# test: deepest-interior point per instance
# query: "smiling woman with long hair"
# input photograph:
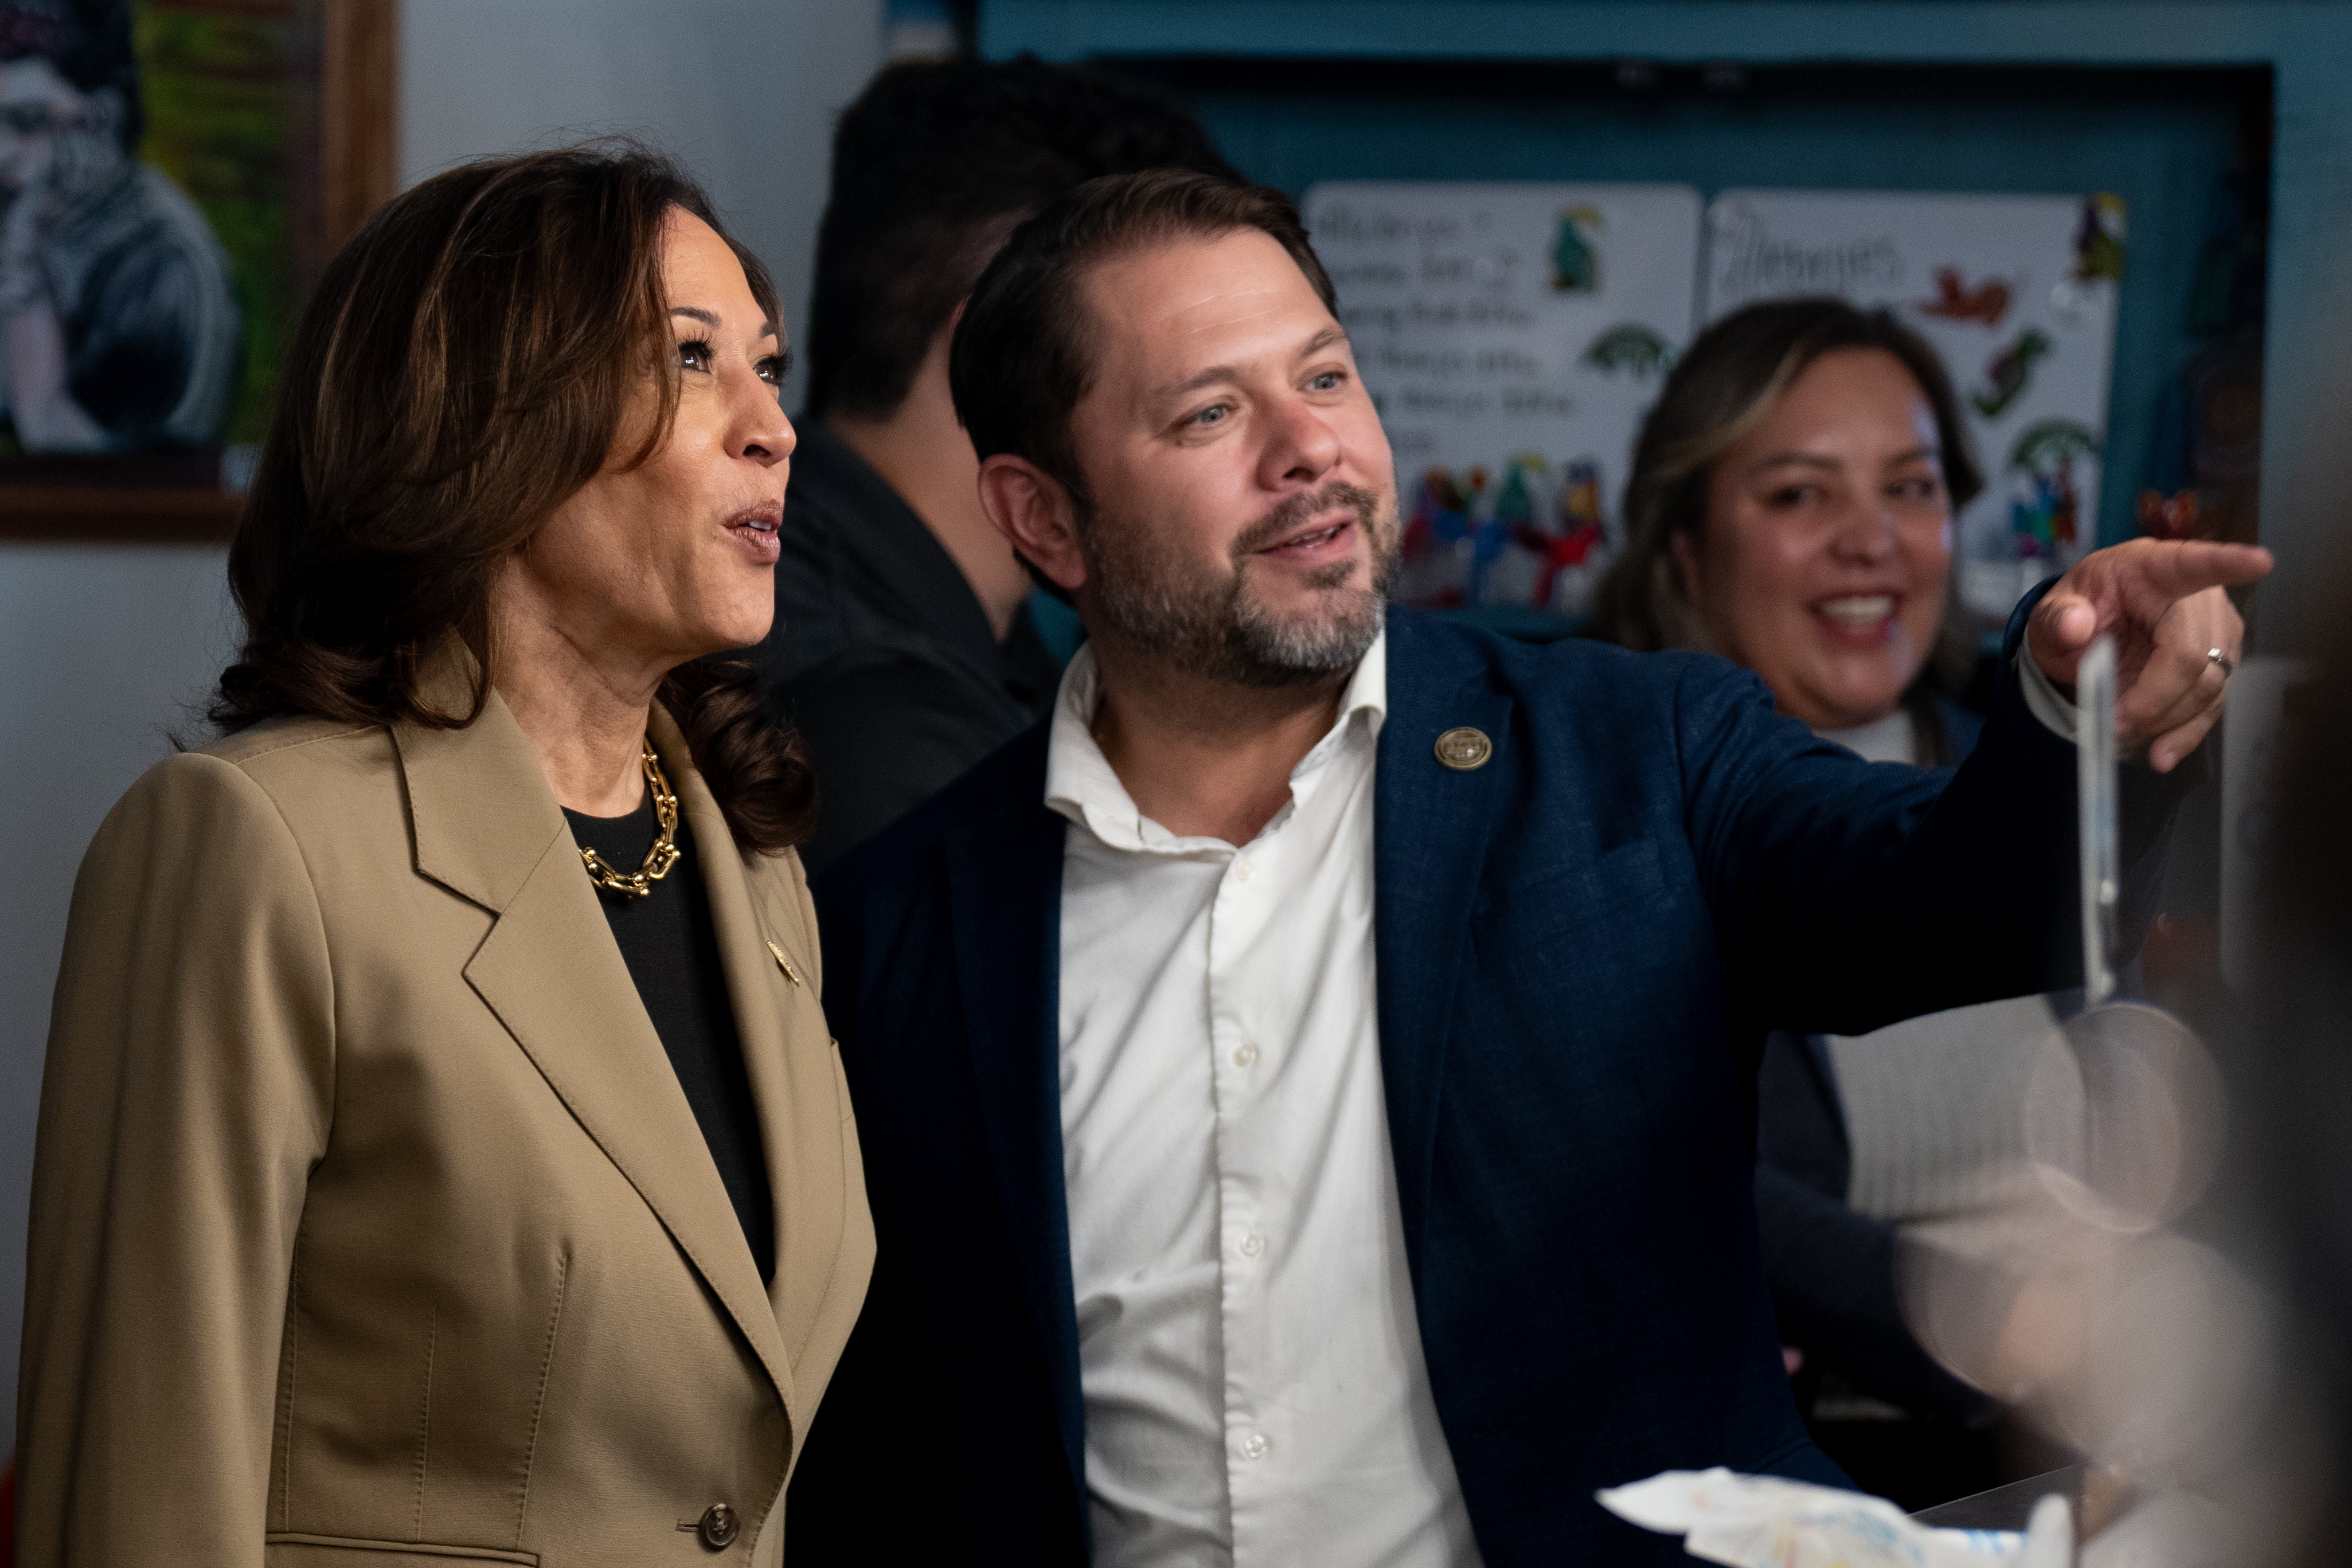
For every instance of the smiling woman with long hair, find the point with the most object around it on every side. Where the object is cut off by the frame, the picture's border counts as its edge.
(441, 1151)
(1790, 507)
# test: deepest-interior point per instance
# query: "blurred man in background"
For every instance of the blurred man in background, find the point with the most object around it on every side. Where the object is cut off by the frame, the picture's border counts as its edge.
(904, 648)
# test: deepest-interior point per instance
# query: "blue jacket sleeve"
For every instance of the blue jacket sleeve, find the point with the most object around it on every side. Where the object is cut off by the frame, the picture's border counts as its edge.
(1847, 895)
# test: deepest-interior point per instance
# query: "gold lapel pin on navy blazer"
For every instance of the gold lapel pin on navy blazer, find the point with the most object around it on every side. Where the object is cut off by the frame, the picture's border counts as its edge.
(372, 1222)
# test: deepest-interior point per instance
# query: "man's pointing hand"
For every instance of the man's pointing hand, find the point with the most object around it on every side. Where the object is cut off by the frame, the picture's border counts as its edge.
(2162, 602)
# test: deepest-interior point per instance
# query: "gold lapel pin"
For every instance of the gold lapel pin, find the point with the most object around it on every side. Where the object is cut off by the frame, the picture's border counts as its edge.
(786, 965)
(1465, 749)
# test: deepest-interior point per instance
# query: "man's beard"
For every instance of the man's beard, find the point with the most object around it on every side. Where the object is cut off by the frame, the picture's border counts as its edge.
(1216, 628)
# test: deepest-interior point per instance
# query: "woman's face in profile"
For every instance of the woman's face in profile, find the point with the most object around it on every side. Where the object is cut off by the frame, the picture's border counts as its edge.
(676, 557)
(1828, 541)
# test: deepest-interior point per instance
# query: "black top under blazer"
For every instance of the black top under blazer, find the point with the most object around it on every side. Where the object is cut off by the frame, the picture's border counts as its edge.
(1581, 946)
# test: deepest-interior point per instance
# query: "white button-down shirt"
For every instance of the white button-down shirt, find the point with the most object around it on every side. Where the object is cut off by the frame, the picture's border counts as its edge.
(1255, 1388)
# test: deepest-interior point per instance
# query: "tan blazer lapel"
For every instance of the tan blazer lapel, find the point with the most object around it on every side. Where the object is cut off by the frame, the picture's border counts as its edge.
(775, 1008)
(487, 828)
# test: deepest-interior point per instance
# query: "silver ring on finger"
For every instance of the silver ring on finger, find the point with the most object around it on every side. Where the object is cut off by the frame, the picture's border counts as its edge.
(2223, 661)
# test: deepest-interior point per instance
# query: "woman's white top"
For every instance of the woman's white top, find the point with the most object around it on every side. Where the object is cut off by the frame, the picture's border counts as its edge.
(1935, 1106)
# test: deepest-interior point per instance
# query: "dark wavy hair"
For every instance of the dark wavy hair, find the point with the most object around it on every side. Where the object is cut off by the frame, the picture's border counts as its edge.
(463, 369)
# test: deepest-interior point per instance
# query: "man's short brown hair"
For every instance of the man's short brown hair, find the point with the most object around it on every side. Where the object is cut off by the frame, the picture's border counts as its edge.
(1026, 352)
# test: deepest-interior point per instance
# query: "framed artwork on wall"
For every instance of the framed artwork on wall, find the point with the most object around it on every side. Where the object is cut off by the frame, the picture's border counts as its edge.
(173, 176)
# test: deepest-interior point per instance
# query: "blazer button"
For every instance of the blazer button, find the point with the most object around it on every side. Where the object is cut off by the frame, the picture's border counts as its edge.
(718, 1527)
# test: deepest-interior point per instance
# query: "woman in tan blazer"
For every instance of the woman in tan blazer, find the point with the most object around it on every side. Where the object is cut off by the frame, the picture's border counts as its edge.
(413, 1184)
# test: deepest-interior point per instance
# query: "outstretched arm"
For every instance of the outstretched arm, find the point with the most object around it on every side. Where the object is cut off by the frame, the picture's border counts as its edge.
(2177, 634)
(1847, 896)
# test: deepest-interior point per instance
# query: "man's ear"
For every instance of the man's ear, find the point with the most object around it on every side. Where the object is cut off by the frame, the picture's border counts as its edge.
(1033, 511)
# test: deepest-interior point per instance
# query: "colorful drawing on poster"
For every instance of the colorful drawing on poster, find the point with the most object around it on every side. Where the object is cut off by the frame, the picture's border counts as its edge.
(1438, 513)
(1520, 540)
(1580, 499)
(2171, 517)
(1575, 263)
(1448, 515)
(2051, 445)
(1987, 303)
(2009, 372)
(1569, 560)
(1632, 348)
(2047, 519)
(1514, 512)
(1514, 504)
(1473, 308)
(2099, 242)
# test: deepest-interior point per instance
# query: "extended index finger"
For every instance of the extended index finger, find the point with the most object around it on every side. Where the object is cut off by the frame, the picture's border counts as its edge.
(2178, 568)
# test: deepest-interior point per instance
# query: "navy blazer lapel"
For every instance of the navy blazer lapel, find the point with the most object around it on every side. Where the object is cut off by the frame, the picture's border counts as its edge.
(1431, 827)
(1004, 891)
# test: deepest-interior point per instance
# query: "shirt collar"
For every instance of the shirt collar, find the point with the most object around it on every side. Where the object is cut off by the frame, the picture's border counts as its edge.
(1081, 785)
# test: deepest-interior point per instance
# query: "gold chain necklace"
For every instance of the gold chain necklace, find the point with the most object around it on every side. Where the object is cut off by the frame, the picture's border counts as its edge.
(658, 859)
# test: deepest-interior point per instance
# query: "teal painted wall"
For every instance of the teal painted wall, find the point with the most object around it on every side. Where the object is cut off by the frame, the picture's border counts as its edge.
(2160, 139)
(2098, 126)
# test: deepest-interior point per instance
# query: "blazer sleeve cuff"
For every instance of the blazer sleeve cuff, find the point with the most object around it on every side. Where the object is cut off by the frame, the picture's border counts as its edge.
(2055, 710)
(2148, 798)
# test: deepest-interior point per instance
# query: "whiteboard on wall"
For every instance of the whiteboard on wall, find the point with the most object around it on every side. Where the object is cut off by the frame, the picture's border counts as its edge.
(2017, 294)
(1513, 336)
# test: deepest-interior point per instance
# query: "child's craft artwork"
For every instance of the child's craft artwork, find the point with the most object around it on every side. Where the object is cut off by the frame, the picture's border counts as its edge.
(1512, 336)
(2017, 294)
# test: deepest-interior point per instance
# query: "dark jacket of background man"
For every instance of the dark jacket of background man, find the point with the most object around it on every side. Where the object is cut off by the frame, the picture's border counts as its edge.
(903, 647)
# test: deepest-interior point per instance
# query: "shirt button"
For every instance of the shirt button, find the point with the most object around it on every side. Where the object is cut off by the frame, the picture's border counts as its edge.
(1254, 1446)
(1241, 868)
(1252, 1245)
(1246, 1055)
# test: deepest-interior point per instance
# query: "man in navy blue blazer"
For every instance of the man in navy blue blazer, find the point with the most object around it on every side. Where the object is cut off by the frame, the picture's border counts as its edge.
(1305, 1083)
